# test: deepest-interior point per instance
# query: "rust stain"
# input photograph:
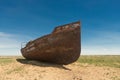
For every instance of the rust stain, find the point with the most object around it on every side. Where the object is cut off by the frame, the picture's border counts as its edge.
(62, 46)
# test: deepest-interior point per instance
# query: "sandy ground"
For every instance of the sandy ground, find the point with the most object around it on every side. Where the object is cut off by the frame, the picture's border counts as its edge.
(21, 69)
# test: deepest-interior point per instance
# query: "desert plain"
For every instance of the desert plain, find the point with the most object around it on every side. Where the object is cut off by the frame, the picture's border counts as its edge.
(85, 68)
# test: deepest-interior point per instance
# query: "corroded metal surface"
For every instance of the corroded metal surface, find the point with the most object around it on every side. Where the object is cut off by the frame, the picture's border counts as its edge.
(62, 46)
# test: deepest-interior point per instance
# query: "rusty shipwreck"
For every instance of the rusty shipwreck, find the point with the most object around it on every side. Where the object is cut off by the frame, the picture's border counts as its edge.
(62, 46)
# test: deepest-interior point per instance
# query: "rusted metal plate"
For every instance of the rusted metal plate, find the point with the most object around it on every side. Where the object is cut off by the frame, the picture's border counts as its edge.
(62, 46)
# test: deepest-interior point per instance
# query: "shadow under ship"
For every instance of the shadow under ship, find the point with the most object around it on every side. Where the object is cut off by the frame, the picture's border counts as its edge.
(62, 46)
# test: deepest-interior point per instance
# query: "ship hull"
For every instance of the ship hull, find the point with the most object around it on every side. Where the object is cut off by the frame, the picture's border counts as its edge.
(62, 47)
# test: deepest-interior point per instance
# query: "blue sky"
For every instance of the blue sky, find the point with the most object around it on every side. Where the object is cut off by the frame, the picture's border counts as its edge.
(24, 20)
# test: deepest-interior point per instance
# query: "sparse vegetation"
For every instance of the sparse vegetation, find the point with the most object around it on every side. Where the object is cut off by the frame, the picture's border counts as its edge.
(111, 61)
(15, 70)
(5, 60)
(18, 68)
